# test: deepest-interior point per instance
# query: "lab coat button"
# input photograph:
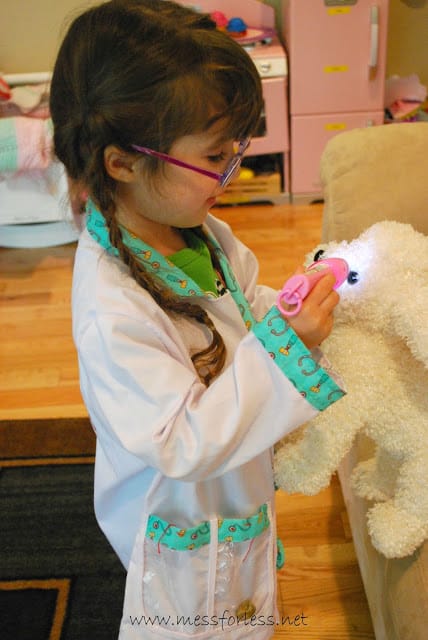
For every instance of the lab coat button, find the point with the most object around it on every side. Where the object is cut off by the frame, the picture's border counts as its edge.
(245, 611)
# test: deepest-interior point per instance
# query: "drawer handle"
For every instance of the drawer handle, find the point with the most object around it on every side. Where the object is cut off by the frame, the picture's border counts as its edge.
(374, 37)
(265, 67)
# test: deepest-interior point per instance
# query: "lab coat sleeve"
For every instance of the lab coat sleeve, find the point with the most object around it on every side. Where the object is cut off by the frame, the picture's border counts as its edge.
(145, 399)
(309, 371)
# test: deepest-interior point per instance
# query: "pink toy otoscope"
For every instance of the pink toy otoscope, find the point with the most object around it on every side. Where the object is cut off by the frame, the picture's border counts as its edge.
(297, 287)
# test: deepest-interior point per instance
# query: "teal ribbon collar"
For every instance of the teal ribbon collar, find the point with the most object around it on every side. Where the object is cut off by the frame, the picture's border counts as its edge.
(163, 268)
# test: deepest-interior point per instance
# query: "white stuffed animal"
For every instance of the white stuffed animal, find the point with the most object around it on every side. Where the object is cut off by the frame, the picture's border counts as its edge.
(379, 345)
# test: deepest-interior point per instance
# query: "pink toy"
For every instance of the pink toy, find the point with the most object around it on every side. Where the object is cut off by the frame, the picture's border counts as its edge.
(5, 92)
(220, 20)
(297, 287)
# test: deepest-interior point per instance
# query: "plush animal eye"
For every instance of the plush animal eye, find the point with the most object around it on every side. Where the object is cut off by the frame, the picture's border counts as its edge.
(353, 277)
(318, 255)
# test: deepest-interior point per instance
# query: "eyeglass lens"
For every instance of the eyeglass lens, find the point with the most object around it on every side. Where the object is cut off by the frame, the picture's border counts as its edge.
(235, 163)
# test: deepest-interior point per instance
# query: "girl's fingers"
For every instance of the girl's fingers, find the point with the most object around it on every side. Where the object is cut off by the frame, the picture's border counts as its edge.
(330, 302)
(323, 295)
(323, 287)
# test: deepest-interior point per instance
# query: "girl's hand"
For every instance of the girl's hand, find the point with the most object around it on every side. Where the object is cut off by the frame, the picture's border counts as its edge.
(314, 321)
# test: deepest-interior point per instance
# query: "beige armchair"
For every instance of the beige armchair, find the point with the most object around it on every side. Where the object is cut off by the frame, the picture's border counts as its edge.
(370, 175)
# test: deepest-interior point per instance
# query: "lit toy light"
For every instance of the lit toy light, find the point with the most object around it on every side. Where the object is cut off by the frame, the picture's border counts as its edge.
(352, 276)
(361, 256)
(295, 290)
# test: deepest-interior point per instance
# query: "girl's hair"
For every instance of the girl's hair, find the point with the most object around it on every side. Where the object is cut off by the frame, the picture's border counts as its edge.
(147, 72)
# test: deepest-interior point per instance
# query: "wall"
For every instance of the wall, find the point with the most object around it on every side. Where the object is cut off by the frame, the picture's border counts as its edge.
(30, 33)
(408, 39)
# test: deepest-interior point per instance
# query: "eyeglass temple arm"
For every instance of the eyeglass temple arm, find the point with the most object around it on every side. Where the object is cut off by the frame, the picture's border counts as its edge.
(178, 163)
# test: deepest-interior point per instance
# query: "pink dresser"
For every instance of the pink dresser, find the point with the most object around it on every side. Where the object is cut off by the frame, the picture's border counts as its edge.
(336, 54)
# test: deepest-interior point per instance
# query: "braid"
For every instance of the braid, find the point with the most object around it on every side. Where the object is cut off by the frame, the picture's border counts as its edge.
(208, 362)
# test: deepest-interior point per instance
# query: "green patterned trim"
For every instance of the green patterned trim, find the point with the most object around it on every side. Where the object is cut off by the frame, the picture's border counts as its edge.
(280, 554)
(296, 361)
(152, 260)
(229, 530)
(233, 286)
(159, 265)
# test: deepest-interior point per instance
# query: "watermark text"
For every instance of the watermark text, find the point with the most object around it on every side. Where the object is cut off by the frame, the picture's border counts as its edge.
(225, 621)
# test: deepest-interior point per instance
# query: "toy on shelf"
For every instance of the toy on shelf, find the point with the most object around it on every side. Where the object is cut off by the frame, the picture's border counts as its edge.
(237, 28)
(405, 99)
(5, 90)
(220, 20)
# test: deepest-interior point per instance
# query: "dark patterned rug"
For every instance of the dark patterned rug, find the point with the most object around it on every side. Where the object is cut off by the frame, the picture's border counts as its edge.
(59, 577)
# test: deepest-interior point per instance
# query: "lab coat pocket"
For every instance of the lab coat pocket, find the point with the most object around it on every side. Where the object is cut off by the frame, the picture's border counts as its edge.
(175, 586)
(245, 576)
(168, 590)
(200, 581)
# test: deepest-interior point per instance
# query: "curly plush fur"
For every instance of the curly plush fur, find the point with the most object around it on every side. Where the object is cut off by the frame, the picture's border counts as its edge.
(380, 346)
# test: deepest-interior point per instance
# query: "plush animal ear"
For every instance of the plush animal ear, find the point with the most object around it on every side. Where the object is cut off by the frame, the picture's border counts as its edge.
(316, 254)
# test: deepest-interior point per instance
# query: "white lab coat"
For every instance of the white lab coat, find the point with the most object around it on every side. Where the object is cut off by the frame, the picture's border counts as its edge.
(169, 446)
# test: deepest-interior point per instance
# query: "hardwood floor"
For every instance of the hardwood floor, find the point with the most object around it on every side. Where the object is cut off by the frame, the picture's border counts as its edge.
(321, 596)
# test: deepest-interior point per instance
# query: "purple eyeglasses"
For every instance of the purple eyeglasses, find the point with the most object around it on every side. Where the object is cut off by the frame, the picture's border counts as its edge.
(223, 178)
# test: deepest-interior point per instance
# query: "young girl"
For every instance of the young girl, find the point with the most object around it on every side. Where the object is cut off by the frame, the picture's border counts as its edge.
(188, 371)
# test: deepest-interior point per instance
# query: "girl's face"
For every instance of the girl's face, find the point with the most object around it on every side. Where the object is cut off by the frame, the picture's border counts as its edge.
(178, 197)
